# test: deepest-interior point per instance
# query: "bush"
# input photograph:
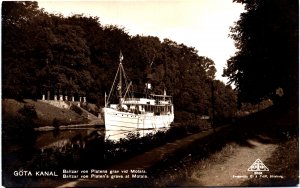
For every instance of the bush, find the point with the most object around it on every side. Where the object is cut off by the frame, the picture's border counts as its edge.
(28, 111)
(56, 123)
(76, 109)
(93, 109)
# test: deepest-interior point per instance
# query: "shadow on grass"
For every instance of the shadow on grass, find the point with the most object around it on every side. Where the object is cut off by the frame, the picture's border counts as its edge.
(283, 163)
(270, 126)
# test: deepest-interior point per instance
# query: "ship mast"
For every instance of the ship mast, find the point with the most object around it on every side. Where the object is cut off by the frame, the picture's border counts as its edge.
(120, 82)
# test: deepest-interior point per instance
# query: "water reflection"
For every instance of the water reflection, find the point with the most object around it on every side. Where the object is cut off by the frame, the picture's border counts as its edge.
(73, 136)
(79, 137)
(117, 135)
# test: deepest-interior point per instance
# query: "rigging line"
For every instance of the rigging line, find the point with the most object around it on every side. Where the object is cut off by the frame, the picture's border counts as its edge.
(127, 90)
(125, 78)
(113, 85)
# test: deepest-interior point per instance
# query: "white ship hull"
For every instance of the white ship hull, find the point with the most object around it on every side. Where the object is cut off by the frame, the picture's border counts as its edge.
(132, 113)
(117, 120)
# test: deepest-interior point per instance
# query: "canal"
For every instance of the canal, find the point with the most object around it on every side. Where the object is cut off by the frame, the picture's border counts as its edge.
(80, 136)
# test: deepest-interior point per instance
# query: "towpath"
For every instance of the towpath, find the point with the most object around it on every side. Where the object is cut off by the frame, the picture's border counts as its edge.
(150, 159)
(231, 170)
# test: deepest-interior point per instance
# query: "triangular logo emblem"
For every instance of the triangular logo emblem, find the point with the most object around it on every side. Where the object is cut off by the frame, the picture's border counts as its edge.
(258, 166)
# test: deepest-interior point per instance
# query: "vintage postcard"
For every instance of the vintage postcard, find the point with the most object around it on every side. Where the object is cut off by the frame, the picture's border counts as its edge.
(152, 93)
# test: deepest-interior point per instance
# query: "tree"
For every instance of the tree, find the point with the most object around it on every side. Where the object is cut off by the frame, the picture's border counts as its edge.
(266, 37)
(225, 102)
(77, 56)
(19, 81)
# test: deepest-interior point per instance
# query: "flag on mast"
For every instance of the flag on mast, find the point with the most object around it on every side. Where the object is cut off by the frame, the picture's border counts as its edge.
(121, 56)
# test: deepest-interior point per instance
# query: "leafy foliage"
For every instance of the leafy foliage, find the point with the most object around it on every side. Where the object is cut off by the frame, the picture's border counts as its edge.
(267, 39)
(76, 109)
(28, 111)
(77, 56)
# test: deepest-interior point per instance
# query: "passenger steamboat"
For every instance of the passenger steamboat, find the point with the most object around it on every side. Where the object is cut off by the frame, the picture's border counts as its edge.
(131, 113)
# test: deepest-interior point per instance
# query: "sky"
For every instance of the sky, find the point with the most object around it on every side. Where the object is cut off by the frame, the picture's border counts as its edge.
(202, 24)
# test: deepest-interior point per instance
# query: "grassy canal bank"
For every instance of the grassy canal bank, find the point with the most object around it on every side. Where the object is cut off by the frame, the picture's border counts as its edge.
(217, 159)
(271, 135)
(43, 114)
(199, 161)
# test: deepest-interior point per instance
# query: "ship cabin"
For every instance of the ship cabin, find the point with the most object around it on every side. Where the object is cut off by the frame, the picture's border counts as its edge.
(154, 104)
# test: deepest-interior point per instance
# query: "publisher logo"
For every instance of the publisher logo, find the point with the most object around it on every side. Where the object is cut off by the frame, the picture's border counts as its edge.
(257, 167)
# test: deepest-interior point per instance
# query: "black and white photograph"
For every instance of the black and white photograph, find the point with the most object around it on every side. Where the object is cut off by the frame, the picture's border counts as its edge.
(150, 93)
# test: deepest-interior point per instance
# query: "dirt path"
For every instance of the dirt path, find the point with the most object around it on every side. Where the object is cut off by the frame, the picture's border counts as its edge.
(226, 172)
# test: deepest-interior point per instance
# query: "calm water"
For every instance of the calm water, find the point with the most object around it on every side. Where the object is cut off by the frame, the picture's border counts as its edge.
(79, 136)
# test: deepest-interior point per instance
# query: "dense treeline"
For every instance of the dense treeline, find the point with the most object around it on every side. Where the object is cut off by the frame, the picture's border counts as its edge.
(266, 65)
(77, 56)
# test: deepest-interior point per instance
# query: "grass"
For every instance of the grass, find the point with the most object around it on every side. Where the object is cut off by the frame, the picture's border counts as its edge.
(281, 126)
(271, 122)
(287, 156)
(189, 169)
(46, 113)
